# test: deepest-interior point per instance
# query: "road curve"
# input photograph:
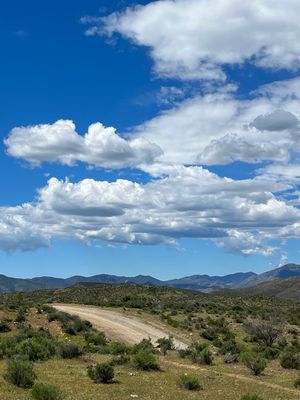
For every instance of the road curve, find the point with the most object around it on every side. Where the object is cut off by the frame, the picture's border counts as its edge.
(117, 326)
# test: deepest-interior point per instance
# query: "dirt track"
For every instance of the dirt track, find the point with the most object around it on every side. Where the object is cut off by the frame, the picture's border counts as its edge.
(118, 326)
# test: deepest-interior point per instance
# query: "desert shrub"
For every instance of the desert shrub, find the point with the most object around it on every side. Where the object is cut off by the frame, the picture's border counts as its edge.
(210, 334)
(206, 356)
(21, 315)
(264, 331)
(166, 343)
(34, 349)
(82, 325)
(101, 373)
(43, 391)
(290, 360)
(145, 344)
(189, 382)
(69, 329)
(32, 344)
(122, 359)
(270, 353)
(95, 338)
(250, 396)
(230, 358)
(69, 350)
(20, 373)
(145, 359)
(254, 362)
(4, 327)
(117, 348)
(230, 346)
(183, 353)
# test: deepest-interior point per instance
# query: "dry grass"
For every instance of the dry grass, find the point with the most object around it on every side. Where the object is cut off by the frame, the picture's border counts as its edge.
(70, 376)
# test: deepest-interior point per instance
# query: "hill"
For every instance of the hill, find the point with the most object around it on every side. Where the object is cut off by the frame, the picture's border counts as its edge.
(280, 288)
(203, 283)
(284, 272)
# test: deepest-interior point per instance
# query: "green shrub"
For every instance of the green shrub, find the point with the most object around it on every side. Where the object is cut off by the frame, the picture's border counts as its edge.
(101, 373)
(145, 359)
(145, 344)
(166, 343)
(206, 357)
(69, 350)
(95, 338)
(117, 348)
(271, 353)
(120, 360)
(210, 334)
(189, 382)
(21, 316)
(34, 349)
(43, 391)
(20, 373)
(290, 360)
(254, 362)
(230, 346)
(183, 353)
(250, 396)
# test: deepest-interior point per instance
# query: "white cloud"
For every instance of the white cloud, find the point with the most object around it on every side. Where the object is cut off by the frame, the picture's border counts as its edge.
(189, 202)
(194, 39)
(59, 142)
(219, 128)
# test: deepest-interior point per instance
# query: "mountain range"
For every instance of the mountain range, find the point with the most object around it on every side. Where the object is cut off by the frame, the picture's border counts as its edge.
(203, 283)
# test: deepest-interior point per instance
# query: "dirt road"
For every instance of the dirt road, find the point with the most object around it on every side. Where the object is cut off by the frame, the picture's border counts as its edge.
(118, 326)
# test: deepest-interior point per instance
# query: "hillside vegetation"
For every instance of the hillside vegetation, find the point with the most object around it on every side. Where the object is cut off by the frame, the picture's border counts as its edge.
(279, 288)
(237, 346)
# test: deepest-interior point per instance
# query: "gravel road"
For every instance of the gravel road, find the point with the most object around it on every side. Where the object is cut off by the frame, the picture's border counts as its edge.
(118, 326)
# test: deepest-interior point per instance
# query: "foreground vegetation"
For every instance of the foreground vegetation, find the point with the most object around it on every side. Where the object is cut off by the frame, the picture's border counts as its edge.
(238, 347)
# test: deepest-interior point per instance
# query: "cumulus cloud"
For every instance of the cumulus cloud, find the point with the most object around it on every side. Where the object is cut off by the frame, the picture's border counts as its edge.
(219, 128)
(188, 202)
(195, 39)
(59, 142)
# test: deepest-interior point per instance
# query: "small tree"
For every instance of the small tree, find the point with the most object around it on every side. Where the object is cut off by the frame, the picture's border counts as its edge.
(264, 331)
(20, 373)
(101, 373)
(254, 362)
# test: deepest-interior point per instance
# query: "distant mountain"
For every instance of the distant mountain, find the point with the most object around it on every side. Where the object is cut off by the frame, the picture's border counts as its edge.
(8, 285)
(204, 283)
(288, 289)
(284, 272)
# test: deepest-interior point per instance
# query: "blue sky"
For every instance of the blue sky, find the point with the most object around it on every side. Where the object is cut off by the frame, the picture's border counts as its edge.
(202, 164)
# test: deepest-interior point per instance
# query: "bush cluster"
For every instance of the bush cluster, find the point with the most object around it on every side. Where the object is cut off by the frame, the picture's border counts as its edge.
(43, 391)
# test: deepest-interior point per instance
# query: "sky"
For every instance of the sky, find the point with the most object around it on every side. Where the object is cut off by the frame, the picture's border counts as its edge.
(149, 137)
